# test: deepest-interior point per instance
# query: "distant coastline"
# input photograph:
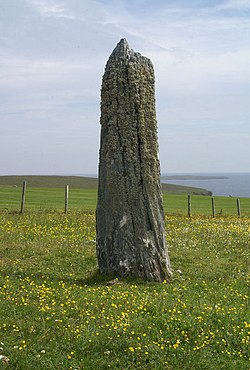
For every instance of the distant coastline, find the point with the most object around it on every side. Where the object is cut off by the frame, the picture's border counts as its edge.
(222, 184)
(192, 177)
(84, 182)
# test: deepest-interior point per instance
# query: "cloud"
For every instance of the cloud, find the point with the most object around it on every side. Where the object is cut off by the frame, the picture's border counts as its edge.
(49, 8)
(53, 53)
(235, 4)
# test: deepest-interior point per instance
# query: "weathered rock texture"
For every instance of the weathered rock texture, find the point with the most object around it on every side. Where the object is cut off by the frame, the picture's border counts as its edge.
(130, 220)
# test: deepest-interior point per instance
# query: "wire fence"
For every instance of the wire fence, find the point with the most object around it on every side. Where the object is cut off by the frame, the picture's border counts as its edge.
(206, 205)
(23, 199)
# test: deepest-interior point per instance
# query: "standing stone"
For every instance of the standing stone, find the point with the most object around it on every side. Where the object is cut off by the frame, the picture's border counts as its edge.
(129, 215)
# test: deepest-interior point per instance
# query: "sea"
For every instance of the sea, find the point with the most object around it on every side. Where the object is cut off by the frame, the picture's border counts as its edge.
(225, 184)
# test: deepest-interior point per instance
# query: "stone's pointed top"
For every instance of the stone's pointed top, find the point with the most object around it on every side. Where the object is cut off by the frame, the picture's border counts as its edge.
(122, 49)
(122, 46)
(123, 54)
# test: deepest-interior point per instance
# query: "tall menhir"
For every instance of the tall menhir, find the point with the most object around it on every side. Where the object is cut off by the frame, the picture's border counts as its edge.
(129, 215)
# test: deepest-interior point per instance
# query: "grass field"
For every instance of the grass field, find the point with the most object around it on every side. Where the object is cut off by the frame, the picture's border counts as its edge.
(85, 199)
(57, 312)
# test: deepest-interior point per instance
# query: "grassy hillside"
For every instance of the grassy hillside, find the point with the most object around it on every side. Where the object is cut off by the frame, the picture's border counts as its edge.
(78, 182)
(180, 189)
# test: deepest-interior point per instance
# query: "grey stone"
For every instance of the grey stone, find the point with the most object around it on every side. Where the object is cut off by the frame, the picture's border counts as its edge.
(129, 217)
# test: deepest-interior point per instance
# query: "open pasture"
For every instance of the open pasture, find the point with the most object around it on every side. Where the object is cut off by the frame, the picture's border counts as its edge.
(57, 312)
(86, 199)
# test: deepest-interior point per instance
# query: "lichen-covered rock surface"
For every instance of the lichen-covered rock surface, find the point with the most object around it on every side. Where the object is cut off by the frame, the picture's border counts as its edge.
(129, 215)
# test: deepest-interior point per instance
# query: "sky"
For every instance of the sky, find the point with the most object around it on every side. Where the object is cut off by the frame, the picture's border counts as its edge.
(52, 59)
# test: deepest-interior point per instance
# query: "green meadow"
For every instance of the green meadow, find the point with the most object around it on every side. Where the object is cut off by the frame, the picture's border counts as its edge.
(48, 192)
(58, 312)
(54, 199)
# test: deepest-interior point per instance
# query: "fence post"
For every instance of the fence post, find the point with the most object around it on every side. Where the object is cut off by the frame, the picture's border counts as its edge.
(213, 207)
(23, 196)
(66, 199)
(238, 207)
(189, 205)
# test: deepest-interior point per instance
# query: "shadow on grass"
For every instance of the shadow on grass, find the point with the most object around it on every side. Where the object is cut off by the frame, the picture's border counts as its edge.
(95, 278)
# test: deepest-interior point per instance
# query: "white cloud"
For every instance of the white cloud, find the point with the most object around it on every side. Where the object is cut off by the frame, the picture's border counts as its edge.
(53, 53)
(236, 4)
(49, 8)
